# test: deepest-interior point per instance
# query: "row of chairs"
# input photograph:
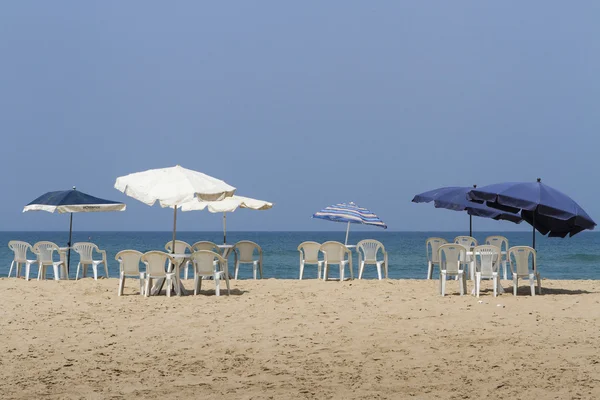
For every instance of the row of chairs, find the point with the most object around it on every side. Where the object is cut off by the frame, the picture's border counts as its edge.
(339, 254)
(44, 257)
(162, 265)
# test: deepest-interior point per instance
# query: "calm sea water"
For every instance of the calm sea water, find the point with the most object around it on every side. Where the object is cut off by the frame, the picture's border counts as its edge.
(570, 258)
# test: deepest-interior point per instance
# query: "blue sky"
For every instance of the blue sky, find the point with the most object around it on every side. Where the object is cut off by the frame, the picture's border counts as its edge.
(301, 103)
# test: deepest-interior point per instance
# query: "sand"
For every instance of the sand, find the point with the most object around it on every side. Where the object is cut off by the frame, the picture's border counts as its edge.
(304, 339)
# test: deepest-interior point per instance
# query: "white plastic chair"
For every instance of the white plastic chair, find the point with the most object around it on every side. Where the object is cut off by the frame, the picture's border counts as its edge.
(45, 258)
(245, 255)
(431, 246)
(20, 249)
(309, 254)
(205, 266)
(86, 254)
(521, 267)
(157, 263)
(335, 253)
(129, 265)
(469, 243)
(181, 247)
(502, 243)
(367, 255)
(487, 259)
(205, 245)
(452, 260)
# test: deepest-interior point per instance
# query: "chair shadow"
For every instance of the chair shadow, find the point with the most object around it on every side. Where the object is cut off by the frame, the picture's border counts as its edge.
(212, 293)
(526, 291)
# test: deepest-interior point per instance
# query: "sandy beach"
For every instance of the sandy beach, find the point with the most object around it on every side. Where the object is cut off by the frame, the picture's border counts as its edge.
(303, 339)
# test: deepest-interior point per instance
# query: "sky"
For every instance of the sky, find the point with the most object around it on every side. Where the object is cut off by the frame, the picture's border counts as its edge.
(304, 104)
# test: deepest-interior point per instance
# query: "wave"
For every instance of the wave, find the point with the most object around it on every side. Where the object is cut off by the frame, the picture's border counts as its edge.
(581, 257)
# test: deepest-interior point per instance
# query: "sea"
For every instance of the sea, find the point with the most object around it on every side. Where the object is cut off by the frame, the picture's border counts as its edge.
(577, 257)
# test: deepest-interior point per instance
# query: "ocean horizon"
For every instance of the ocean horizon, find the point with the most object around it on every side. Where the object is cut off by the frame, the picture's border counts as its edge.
(577, 257)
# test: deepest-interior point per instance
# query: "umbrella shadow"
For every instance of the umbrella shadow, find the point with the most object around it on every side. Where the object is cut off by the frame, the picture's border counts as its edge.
(561, 291)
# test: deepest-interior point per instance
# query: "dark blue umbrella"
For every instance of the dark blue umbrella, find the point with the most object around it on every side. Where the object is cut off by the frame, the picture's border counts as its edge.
(71, 201)
(545, 208)
(455, 198)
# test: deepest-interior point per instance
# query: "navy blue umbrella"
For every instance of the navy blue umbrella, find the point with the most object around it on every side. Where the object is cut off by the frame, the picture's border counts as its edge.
(545, 208)
(71, 201)
(455, 198)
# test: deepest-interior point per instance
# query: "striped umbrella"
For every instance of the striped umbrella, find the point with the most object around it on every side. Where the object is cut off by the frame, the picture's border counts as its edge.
(351, 214)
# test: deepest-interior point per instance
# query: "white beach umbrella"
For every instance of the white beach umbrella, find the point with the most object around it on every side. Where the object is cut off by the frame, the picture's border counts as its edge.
(229, 204)
(172, 187)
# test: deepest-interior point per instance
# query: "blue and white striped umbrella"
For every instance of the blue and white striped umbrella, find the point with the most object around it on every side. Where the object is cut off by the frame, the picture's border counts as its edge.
(351, 214)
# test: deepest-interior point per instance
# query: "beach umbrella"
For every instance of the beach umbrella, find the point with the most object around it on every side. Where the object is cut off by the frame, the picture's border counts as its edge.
(545, 208)
(172, 187)
(72, 201)
(351, 214)
(228, 204)
(455, 198)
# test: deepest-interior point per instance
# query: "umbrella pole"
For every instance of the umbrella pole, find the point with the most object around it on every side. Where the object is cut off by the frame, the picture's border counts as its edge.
(174, 228)
(533, 223)
(470, 225)
(347, 231)
(69, 242)
(224, 228)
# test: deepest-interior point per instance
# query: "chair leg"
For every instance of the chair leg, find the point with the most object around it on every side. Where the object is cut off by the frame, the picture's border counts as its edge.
(195, 284)
(27, 269)
(11, 268)
(77, 271)
(217, 285)
(169, 285)
(319, 269)
(227, 284)
(40, 268)
(477, 283)
(106, 269)
(531, 284)
(95, 269)
(56, 272)
(325, 270)
(539, 283)
(148, 283)
(237, 268)
(515, 284)
(185, 274)
(504, 270)
(121, 284)
(361, 268)
(254, 268)
(379, 271)
(443, 283)
(429, 270)
(341, 272)
(260, 269)
(142, 281)
(461, 276)
(495, 285)
(301, 269)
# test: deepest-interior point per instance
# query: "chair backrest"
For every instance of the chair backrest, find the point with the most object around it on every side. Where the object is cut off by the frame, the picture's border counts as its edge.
(204, 261)
(520, 255)
(45, 251)
(431, 246)
(310, 252)
(500, 242)
(129, 261)
(369, 248)
(20, 249)
(335, 252)
(245, 250)
(85, 250)
(451, 256)
(487, 257)
(466, 241)
(156, 262)
(180, 247)
(206, 245)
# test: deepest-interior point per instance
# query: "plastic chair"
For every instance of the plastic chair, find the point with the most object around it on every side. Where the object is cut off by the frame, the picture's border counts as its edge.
(469, 243)
(157, 263)
(452, 260)
(181, 247)
(335, 253)
(205, 245)
(520, 268)
(487, 259)
(245, 255)
(45, 258)
(86, 253)
(309, 254)
(20, 249)
(431, 247)
(129, 265)
(205, 266)
(367, 255)
(502, 243)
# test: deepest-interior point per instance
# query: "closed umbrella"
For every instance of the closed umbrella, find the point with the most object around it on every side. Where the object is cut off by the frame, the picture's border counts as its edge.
(72, 201)
(172, 187)
(351, 214)
(455, 198)
(229, 204)
(545, 208)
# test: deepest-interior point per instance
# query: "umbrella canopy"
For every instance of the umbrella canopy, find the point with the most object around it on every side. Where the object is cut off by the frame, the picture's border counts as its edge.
(228, 204)
(455, 198)
(72, 201)
(351, 214)
(172, 187)
(545, 208)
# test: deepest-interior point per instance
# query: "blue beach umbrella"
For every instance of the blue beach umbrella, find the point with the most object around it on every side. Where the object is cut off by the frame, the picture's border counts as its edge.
(455, 198)
(543, 207)
(351, 214)
(72, 201)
